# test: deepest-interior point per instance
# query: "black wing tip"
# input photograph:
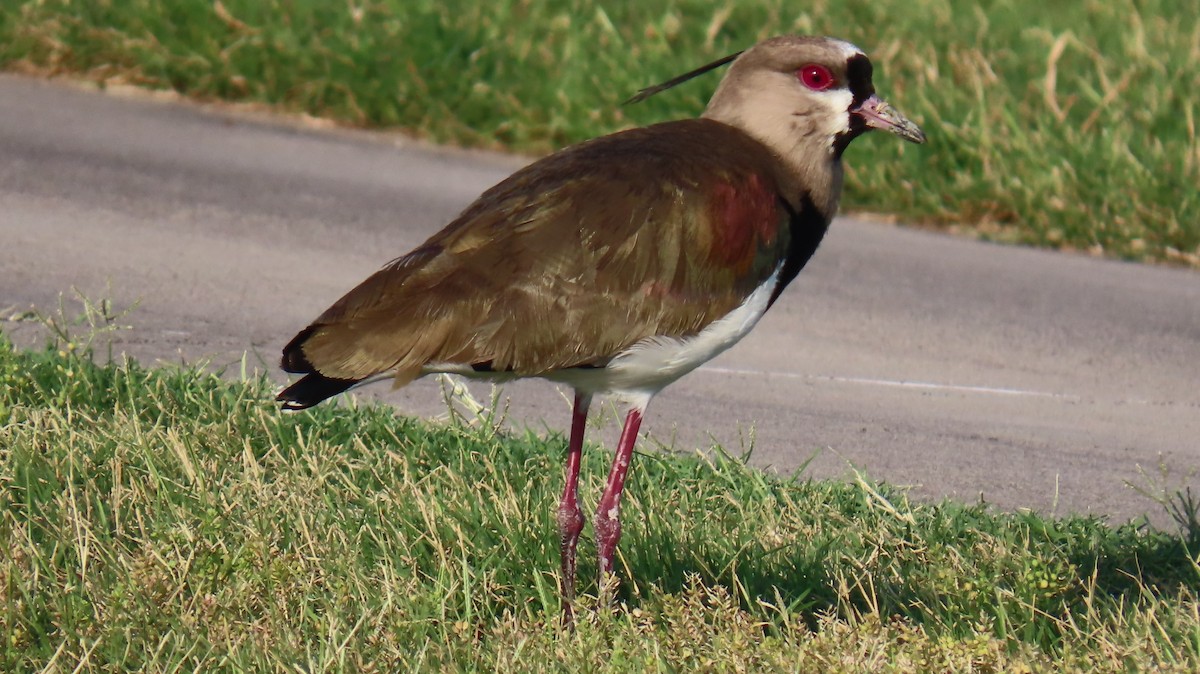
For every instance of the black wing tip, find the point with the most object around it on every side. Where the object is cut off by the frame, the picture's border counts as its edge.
(294, 361)
(312, 389)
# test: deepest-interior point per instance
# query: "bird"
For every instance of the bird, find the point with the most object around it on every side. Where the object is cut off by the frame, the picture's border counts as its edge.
(620, 264)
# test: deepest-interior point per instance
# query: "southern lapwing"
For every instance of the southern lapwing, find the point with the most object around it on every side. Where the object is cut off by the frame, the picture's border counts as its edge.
(618, 265)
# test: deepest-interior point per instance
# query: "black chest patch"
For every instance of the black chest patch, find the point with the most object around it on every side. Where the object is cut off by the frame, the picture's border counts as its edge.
(806, 226)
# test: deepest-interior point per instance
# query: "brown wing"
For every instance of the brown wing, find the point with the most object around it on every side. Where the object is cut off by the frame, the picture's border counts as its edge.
(570, 261)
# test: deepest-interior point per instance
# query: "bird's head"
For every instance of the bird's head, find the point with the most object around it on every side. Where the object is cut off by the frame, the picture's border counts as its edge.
(804, 93)
(799, 94)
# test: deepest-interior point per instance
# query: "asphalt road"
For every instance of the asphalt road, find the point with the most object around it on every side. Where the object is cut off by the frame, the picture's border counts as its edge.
(1035, 379)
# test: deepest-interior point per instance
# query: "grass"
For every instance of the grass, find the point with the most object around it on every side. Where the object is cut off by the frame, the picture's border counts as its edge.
(169, 520)
(1069, 125)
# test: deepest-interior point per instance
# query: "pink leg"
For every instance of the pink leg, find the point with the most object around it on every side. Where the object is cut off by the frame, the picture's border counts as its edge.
(608, 514)
(570, 517)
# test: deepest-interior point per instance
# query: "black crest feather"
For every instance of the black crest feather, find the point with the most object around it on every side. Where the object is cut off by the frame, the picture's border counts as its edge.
(674, 81)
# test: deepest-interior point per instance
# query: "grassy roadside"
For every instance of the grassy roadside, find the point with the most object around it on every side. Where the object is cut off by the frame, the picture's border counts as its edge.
(167, 520)
(1069, 125)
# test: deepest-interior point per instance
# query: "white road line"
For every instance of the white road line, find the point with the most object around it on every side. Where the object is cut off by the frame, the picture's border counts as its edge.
(989, 390)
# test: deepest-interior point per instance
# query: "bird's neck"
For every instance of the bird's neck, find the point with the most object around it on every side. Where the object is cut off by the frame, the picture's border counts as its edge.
(818, 171)
(809, 168)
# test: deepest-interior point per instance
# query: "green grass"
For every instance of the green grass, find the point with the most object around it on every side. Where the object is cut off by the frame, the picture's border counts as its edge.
(169, 520)
(1058, 124)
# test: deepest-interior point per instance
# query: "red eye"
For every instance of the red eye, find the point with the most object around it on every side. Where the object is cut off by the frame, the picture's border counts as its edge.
(815, 76)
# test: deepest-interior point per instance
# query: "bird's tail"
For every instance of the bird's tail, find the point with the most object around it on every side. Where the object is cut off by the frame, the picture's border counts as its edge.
(313, 387)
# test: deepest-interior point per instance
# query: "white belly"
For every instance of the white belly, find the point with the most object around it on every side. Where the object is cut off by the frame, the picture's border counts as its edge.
(645, 368)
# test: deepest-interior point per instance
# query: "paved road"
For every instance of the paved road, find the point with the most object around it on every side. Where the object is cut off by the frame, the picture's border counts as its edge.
(1034, 379)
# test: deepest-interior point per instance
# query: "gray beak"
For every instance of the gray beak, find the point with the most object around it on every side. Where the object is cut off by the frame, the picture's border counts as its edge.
(879, 115)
